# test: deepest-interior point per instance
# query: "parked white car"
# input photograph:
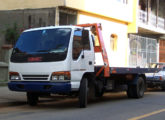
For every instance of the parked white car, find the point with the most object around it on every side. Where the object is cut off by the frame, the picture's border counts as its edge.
(156, 79)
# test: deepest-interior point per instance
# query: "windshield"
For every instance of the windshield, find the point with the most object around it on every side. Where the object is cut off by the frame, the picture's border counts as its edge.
(46, 44)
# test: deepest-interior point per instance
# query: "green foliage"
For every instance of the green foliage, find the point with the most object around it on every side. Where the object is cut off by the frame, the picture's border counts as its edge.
(11, 34)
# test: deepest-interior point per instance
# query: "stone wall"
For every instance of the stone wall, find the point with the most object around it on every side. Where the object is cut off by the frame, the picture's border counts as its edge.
(6, 50)
(3, 72)
(24, 19)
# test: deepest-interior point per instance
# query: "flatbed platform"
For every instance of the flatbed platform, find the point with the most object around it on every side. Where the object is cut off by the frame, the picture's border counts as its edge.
(127, 70)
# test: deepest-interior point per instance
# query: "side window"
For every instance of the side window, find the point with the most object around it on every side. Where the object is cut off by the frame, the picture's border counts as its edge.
(93, 40)
(85, 40)
(80, 42)
(77, 44)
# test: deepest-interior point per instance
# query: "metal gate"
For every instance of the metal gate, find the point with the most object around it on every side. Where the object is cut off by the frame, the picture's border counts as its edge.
(143, 51)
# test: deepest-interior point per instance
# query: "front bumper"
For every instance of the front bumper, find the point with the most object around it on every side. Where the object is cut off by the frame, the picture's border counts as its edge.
(46, 87)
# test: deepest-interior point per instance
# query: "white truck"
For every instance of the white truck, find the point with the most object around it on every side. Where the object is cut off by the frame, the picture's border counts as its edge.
(61, 60)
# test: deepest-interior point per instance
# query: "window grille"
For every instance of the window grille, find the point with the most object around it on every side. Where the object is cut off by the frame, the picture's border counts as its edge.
(143, 51)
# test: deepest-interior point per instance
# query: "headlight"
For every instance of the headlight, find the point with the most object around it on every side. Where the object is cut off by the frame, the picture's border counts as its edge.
(54, 77)
(60, 76)
(14, 76)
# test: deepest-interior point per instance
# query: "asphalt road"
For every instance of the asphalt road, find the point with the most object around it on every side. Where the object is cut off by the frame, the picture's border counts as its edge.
(112, 106)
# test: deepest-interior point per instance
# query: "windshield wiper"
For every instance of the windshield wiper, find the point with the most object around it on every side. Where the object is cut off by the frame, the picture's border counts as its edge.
(17, 50)
(50, 51)
(47, 51)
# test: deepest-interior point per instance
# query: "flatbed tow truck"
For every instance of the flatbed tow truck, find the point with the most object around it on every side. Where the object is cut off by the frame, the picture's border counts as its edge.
(61, 60)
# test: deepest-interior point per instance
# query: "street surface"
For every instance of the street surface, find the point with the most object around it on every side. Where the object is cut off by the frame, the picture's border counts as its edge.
(112, 106)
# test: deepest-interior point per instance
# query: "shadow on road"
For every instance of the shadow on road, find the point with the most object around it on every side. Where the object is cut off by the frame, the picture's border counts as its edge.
(63, 102)
(12, 104)
(154, 90)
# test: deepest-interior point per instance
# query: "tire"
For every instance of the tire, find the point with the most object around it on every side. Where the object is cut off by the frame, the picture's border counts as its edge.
(139, 88)
(130, 91)
(83, 93)
(163, 87)
(32, 98)
(99, 89)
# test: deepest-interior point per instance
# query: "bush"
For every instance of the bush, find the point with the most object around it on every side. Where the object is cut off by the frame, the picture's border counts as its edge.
(11, 34)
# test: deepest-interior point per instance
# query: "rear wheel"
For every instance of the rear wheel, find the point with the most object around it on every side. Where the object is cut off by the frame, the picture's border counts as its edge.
(163, 87)
(32, 98)
(137, 90)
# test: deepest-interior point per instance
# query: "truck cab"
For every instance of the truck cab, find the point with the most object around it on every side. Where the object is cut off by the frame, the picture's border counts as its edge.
(51, 60)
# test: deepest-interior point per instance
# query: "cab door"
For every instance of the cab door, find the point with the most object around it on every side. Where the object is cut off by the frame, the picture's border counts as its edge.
(82, 54)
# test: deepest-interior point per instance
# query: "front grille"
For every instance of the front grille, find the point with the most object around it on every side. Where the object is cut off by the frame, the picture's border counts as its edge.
(35, 77)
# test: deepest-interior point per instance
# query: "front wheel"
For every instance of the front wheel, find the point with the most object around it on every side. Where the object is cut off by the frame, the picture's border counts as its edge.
(32, 98)
(83, 93)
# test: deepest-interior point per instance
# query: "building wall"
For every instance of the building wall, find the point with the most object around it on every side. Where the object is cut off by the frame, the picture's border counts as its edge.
(107, 8)
(116, 57)
(29, 4)
(114, 21)
(112, 8)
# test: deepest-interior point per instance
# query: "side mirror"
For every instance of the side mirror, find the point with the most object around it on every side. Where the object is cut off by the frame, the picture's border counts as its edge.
(82, 56)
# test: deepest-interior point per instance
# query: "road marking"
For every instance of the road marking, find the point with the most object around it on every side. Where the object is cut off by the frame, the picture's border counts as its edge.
(147, 115)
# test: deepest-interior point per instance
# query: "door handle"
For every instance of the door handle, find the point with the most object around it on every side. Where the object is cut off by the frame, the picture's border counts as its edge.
(90, 62)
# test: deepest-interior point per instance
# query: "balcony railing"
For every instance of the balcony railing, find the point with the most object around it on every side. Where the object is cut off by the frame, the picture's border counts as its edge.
(152, 20)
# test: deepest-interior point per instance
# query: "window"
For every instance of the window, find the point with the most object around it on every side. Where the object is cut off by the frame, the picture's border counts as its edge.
(85, 40)
(67, 19)
(80, 42)
(77, 44)
(113, 42)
